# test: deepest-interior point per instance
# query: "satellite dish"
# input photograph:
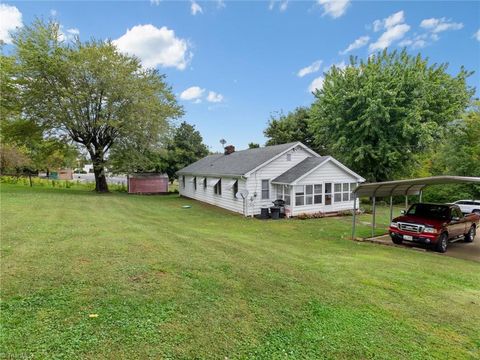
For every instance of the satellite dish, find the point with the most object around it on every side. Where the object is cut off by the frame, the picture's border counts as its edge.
(242, 194)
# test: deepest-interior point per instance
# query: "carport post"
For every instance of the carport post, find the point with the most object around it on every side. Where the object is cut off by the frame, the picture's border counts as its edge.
(354, 215)
(373, 215)
(391, 208)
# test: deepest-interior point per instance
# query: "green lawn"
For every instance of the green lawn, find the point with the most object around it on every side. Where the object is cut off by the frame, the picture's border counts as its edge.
(168, 282)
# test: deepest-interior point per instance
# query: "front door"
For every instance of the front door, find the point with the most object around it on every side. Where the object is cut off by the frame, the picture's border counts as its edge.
(328, 196)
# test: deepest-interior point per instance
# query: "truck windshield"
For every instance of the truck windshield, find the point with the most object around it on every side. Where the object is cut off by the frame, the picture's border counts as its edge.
(429, 211)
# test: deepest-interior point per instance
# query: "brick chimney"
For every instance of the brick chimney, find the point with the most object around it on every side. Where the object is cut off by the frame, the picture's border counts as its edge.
(229, 149)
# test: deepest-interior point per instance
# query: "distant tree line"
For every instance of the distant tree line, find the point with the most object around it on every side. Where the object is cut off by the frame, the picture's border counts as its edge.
(391, 116)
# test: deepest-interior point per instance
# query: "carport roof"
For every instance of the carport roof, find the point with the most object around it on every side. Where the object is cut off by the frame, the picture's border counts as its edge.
(410, 186)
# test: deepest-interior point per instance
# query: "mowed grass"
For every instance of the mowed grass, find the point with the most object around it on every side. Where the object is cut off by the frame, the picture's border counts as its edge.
(203, 283)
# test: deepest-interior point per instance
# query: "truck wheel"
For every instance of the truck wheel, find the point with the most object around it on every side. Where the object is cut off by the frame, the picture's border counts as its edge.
(397, 241)
(471, 234)
(442, 243)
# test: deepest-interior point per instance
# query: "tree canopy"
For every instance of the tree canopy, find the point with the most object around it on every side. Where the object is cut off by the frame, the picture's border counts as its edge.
(377, 115)
(90, 92)
(294, 126)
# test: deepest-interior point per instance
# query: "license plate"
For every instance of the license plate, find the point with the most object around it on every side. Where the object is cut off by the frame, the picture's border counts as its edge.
(407, 237)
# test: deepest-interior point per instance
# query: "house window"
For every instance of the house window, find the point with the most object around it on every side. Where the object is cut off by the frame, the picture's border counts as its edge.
(346, 192)
(328, 194)
(289, 157)
(235, 189)
(299, 195)
(317, 194)
(308, 194)
(265, 189)
(204, 183)
(195, 183)
(217, 189)
(183, 181)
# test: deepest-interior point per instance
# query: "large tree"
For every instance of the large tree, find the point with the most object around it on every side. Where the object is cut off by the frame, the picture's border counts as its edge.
(377, 115)
(294, 126)
(185, 148)
(90, 92)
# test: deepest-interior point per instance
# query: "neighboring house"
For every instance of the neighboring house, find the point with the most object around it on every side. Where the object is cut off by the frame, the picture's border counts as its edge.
(308, 182)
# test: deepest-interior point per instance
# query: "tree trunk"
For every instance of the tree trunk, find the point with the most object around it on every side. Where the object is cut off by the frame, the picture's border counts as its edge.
(100, 178)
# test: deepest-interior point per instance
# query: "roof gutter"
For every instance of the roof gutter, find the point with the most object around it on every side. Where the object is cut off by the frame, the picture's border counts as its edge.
(243, 177)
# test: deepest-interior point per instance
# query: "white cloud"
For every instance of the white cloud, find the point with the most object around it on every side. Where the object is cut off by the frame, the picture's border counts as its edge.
(155, 2)
(389, 22)
(419, 41)
(316, 84)
(395, 30)
(284, 5)
(221, 4)
(192, 93)
(439, 25)
(314, 67)
(214, 97)
(357, 44)
(432, 28)
(394, 19)
(10, 19)
(334, 8)
(155, 46)
(477, 35)
(389, 37)
(271, 4)
(67, 35)
(53, 12)
(195, 8)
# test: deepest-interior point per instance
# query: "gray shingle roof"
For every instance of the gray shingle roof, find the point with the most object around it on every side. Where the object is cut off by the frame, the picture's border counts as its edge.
(300, 169)
(236, 164)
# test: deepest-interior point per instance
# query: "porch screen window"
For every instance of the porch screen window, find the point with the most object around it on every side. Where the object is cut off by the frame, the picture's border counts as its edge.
(337, 194)
(353, 186)
(265, 189)
(299, 195)
(286, 194)
(346, 192)
(308, 194)
(342, 192)
(317, 194)
(217, 189)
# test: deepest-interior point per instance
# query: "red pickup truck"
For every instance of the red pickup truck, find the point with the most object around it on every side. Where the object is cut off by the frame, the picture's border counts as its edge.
(435, 225)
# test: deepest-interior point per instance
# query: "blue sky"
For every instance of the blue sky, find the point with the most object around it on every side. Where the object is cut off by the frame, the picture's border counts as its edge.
(232, 64)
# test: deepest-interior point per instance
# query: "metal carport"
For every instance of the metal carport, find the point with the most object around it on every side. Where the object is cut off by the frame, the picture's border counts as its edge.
(402, 188)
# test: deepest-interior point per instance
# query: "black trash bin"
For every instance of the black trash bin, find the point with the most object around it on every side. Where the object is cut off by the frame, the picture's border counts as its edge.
(281, 204)
(264, 213)
(275, 212)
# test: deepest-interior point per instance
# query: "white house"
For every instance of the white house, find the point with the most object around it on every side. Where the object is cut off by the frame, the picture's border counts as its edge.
(308, 182)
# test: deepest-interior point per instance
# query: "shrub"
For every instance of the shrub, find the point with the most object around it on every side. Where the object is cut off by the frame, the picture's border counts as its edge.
(306, 216)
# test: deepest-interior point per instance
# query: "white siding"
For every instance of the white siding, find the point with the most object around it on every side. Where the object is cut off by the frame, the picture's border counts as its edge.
(327, 173)
(270, 172)
(227, 200)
